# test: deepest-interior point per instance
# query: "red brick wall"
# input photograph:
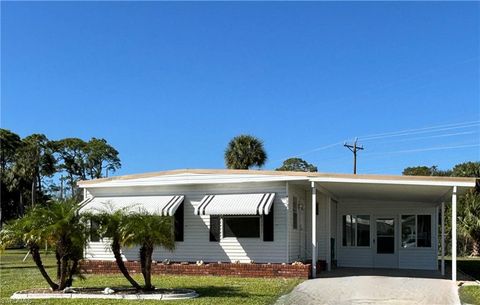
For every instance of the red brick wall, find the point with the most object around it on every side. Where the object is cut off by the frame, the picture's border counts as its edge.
(241, 270)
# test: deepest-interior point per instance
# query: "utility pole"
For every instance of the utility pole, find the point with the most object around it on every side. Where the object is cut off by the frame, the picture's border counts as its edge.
(354, 148)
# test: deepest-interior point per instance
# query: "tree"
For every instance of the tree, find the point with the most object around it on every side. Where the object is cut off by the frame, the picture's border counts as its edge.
(297, 165)
(148, 231)
(100, 156)
(35, 160)
(425, 171)
(59, 225)
(469, 220)
(111, 222)
(81, 160)
(9, 143)
(245, 151)
(466, 169)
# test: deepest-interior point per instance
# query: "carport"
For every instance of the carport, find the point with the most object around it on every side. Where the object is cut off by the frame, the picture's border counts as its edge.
(406, 207)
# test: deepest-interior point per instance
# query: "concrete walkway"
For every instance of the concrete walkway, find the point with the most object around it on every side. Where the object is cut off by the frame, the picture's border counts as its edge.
(367, 286)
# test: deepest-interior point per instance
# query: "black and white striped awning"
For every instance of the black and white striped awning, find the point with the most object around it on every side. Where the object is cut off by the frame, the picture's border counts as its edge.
(161, 205)
(236, 204)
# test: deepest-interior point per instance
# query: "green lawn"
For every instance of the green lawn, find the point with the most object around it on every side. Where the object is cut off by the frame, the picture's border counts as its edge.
(471, 266)
(17, 275)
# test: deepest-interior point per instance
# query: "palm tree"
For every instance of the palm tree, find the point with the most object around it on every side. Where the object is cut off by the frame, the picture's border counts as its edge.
(245, 151)
(111, 221)
(27, 230)
(469, 221)
(148, 231)
(58, 225)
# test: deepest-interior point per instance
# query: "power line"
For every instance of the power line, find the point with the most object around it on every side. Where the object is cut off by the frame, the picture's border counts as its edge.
(406, 132)
(354, 148)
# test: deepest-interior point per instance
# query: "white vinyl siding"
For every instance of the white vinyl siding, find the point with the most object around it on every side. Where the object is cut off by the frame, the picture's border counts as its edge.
(196, 244)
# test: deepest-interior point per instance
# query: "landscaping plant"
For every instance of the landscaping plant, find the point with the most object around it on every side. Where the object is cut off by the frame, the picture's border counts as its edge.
(148, 231)
(57, 225)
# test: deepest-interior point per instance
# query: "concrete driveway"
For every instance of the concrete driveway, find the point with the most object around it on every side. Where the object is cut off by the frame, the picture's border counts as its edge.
(357, 286)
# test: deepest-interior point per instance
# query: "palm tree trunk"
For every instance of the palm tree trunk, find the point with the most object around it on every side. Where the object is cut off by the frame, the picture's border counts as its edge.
(72, 272)
(63, 273)
(34, 193)
(38, 261)
(476, 247)
(121, 265)
(146, 264)
(57, 256)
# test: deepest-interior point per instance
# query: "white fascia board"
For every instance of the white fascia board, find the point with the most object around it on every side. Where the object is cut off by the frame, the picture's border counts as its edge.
(113, 184)
(395, 182)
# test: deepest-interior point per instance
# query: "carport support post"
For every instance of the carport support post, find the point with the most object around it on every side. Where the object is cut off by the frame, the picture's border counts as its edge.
(443, 237)
(314, 230)
(454, 234)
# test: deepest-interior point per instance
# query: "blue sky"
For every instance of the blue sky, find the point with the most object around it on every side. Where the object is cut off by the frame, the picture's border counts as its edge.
(168, 84)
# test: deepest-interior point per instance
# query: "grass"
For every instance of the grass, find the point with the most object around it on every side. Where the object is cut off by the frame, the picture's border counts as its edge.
(17, 275)
(470, 265)
(470, 294)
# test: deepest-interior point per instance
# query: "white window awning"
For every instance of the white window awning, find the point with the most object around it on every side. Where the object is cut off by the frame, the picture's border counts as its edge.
(236, 204)
(161, 205)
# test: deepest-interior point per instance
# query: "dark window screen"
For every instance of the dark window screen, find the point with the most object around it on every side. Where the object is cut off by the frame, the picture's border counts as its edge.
(94, 235)
(241, 227)
(214, 228)
(424, 231)
(178, 227)
(268, 226)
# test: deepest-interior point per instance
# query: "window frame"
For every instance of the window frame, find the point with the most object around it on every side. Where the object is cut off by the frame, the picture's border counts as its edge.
(416, 230)
(222, 227)
(355, 215)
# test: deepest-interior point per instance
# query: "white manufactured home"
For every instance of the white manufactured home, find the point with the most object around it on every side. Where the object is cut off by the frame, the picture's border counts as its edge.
(283, 217)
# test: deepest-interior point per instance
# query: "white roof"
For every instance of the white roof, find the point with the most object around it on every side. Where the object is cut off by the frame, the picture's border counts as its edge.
(218, 176)
(162, 205)
(236, 204)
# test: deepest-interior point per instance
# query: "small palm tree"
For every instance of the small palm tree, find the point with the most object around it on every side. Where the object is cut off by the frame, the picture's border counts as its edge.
(59, 225)
(148, 231)
(245, 151)
(111, 221)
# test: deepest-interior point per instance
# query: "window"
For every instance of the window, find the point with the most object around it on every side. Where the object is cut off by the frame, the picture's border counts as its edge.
(295, 213)
(363, 230)
(416, 231)
(356, 230)
(178, 219)
(424, 229)
(94, 235)
(268, 225)
(241, 227)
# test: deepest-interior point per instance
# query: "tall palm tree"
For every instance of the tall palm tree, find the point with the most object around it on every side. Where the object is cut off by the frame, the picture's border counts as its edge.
(245, 151)
(111, 221)
(59, 225)
(148, 231)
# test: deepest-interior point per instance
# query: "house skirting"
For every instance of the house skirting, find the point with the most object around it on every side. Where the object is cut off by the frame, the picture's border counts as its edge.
(223, 269)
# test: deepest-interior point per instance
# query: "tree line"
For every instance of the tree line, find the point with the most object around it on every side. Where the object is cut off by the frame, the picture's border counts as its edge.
(35, 169)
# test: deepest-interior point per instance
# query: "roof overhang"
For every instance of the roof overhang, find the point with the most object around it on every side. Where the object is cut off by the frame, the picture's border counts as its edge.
(403, 189)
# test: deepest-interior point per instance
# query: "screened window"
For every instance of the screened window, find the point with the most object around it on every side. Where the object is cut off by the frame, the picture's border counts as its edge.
(416, 231)
(356, 230)
(243, 227)
(295, 213)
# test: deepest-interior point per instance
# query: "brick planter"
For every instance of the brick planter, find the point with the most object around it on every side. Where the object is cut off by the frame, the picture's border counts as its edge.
(225, 269)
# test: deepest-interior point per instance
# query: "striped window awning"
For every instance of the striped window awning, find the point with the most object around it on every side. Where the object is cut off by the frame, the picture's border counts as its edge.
(236, 204)
(161, 205)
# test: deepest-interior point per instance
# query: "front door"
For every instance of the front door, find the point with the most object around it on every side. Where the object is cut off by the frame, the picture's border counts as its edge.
(385, 249)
